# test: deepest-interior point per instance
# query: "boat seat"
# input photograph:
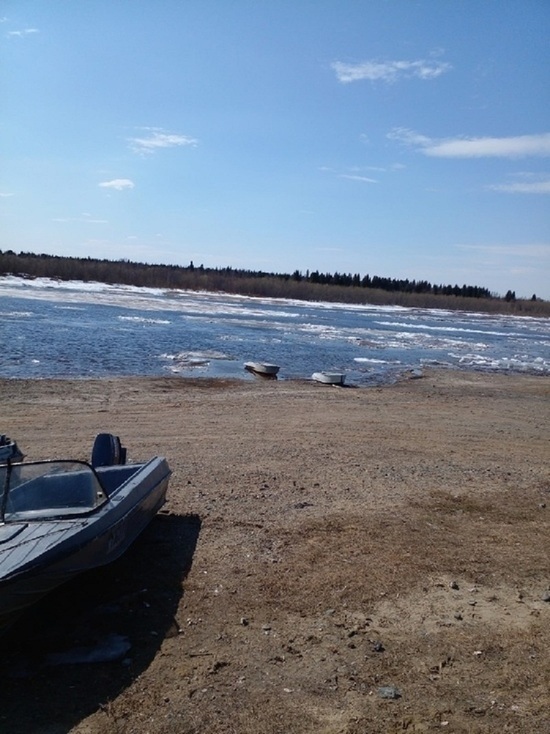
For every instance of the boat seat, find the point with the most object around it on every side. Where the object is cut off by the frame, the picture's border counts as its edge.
(112, 477)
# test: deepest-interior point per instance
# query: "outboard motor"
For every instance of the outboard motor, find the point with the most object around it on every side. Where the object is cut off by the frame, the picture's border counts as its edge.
(9, 450)
(107, 451)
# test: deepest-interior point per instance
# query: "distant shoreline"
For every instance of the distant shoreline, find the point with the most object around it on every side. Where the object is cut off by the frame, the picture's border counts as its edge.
(448, 375)
(309, 287)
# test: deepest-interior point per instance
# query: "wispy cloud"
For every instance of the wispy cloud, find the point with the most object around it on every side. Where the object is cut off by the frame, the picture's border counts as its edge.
(389, 71)
(24, 32)
(352, 173)
(84, 218)
(5, 195)
(541, 186)
(537, 251)
(119, 184)
(157, 139)
(356, 177)
(519, 146)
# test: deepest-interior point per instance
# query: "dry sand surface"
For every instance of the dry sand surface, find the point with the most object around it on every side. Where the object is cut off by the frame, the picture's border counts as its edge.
(330, 561)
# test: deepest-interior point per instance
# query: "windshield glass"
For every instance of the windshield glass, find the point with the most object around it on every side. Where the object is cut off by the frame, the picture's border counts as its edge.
(48, 489)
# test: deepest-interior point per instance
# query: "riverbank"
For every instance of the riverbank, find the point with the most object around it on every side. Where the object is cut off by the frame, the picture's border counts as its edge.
(322, 548)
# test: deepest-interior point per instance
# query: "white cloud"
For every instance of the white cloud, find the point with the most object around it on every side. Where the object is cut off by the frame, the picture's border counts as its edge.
(512, 147)
(84, 218)
(159, 139)
(119, 184)
(389, 71)
(409, 137)
(523, 187)
(24, 32)
(5, 196)
(540, 251)
(356, 177)
(353, 173)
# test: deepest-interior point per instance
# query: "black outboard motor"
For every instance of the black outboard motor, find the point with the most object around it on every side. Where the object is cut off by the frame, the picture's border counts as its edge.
(9, 450)
(107, 451)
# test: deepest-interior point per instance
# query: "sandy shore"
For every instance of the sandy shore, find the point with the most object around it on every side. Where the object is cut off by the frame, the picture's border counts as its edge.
(322, 548)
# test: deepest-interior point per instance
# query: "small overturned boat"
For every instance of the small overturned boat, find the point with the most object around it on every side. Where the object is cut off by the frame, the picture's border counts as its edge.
(61, 518)
(265, 369)
(329, 378)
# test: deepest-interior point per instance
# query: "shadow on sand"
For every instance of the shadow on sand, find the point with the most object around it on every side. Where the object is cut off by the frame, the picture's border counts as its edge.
(81, 646)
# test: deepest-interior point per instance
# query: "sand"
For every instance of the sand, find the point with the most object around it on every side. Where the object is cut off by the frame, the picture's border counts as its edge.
(330, 560)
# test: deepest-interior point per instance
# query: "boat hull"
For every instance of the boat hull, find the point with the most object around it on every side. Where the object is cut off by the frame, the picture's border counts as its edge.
(38, 556)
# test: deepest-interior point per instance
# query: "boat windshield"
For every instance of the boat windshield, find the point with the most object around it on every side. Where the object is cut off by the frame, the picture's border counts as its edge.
(36, 490)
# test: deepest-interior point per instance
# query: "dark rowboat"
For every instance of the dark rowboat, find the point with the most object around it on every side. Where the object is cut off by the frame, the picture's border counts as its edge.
(61, 518)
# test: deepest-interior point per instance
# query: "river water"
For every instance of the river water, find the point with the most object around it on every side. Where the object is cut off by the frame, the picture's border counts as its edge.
(51, 328)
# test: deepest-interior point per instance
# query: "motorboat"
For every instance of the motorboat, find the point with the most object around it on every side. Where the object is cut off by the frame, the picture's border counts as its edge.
(63, 517)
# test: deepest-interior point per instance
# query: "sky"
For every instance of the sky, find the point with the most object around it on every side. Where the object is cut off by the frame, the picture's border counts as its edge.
(398, 138)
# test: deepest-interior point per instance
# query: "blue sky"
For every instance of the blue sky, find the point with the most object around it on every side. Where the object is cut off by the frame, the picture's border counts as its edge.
(400, 138)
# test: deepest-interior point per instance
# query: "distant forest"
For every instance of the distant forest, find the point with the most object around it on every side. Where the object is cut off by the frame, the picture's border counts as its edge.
(308, 286)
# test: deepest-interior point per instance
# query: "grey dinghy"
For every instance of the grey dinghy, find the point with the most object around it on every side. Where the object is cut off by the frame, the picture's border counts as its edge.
(329, 378)
(265, 369)
(61, 518)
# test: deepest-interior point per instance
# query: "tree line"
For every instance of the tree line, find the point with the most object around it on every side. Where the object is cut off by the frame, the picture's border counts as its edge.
(308, 286)
(393, 285)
